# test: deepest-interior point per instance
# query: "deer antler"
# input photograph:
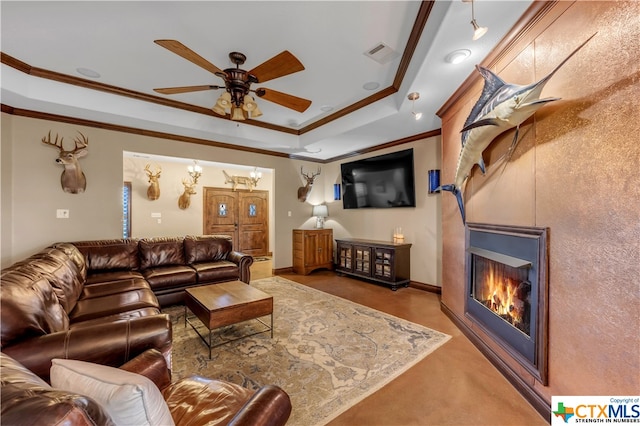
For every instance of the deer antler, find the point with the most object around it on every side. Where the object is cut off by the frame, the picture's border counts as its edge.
(47, 140)
(313, 175)
(83, 143)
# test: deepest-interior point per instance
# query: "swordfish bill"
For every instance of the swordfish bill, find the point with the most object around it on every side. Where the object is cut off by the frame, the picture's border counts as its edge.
(501, 106)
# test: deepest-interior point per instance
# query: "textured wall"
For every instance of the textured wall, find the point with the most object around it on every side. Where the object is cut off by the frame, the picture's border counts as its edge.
(575, 171)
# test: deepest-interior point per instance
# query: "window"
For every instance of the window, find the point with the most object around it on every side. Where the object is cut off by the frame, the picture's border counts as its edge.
(126, 210)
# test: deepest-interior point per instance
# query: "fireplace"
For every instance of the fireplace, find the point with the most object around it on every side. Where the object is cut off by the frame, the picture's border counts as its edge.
(506, 290)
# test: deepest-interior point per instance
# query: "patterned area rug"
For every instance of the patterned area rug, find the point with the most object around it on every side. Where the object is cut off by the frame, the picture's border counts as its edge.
(327, 353)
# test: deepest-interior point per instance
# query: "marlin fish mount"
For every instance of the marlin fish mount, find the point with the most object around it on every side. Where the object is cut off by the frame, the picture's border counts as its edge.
(501, 106)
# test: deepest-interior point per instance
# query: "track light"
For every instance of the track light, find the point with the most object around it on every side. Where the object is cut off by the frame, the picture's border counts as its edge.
(412, 97)
(478, 31)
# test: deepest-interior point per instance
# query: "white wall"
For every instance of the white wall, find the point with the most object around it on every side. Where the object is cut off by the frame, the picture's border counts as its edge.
(32, 178)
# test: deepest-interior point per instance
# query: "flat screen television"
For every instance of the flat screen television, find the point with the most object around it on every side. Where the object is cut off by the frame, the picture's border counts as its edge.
(383, 181)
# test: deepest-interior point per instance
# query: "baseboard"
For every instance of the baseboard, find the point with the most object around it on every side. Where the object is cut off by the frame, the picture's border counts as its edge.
(279, 271)
(532, 397)
(426, 287)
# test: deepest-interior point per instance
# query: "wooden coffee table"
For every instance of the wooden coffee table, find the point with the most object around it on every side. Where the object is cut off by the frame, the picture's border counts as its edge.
(219, 305)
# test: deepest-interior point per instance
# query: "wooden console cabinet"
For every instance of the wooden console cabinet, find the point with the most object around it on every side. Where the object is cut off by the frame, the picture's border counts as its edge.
(312, 249)
(381, 261)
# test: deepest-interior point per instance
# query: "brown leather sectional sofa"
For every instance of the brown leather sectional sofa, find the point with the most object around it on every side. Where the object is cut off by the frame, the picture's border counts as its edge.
(100, 301)
(168, 264)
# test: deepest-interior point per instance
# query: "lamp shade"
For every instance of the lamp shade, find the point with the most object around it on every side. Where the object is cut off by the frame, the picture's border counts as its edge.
(320, 211)
(249, 104)
(237, 114)
(256, 112)
(224, 101)
(478, 31)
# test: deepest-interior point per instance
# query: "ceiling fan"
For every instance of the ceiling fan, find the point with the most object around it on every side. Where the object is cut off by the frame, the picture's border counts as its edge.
(237, 82)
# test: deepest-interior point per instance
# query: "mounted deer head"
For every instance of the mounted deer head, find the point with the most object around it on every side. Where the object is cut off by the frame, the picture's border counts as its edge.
(72, 179)
(303, 191)
(153, 192)
(189, 189)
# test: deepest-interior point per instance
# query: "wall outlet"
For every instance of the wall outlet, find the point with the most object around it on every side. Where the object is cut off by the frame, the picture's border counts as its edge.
(62, 214)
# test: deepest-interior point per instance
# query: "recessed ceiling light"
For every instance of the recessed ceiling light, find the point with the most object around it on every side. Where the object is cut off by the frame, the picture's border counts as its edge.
(326, 108)
(372, 85)
(88, 73)
(457, 56)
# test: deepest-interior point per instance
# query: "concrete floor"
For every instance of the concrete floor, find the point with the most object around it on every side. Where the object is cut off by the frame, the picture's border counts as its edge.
(455, 385)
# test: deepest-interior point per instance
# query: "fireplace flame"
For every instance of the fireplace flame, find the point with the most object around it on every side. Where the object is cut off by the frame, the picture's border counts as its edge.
(507, 295)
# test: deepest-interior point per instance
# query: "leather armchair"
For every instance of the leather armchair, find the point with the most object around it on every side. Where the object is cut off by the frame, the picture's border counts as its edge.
(27, 399)
(190, 399)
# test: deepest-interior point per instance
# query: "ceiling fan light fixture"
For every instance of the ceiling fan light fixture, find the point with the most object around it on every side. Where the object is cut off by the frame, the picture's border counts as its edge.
(224, 101)
(237, 82)
(218, 110)
(256, 112)
(249, 104)
(237, 114)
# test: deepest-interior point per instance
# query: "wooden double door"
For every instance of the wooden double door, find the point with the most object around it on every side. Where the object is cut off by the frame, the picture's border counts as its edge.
(240, 214)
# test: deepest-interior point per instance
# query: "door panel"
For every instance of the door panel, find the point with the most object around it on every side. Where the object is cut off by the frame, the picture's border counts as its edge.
(240, 214)
(253, 223)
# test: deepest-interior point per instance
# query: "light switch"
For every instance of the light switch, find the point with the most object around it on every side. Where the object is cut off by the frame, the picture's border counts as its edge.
(62, 214)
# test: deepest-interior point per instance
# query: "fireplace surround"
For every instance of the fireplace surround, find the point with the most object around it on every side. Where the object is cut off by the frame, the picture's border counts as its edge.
(506, 290)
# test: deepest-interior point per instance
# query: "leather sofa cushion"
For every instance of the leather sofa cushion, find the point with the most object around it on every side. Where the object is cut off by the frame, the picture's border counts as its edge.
(106, 255)
(216, 271)
(60, 270)
(113, 287)
(110, 319)
(161, 251)
(28, 400)
(206, 248)
(28, 306)
(76, 257)
(170, 276)
(104, 276)
(97, 307)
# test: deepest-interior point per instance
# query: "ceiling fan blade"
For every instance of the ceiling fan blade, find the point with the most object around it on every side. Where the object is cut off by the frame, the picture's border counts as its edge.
(185, 89)
(182, 50)
(282, 64)
(288, 101)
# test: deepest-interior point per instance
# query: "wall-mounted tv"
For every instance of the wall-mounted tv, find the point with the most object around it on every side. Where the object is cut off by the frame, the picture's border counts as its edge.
(379, 182)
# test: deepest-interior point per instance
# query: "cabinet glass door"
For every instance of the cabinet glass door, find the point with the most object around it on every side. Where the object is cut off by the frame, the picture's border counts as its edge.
(344, 257)
(362, 260)
(383, 263)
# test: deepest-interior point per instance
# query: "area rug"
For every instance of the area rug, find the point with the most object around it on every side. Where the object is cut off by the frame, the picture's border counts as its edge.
(327, 353)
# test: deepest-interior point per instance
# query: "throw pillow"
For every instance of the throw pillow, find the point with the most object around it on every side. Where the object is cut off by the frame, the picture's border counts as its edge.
(129, 398)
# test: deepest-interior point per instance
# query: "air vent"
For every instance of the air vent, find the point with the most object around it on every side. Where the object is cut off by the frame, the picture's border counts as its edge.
(381, 53)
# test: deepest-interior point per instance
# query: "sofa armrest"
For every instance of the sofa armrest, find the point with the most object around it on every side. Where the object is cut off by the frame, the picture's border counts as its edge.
(110, 344)
(244, 261)
(269, 406)
(151, 364)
